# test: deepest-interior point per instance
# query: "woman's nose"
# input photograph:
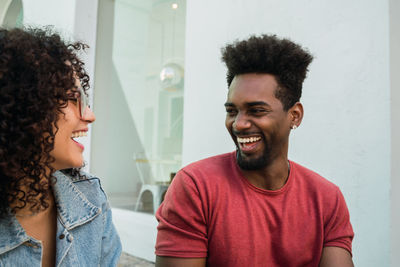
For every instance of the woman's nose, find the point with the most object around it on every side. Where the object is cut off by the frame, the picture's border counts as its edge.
(88, 115)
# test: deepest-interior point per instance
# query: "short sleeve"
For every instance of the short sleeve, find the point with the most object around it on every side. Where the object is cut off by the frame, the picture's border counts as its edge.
(338, 229)
(182, 228)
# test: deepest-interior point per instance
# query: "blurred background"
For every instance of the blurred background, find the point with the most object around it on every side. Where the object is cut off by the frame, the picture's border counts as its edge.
(158, 88)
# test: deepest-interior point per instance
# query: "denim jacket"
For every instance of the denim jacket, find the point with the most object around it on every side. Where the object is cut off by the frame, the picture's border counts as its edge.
(85, 236)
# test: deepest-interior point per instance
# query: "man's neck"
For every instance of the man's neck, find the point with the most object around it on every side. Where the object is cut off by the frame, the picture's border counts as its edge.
(272, 177)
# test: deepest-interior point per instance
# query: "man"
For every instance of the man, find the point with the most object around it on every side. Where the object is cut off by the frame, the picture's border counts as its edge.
(254, 207)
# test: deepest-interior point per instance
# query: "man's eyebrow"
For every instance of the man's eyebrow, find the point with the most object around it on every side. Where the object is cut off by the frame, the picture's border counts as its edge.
(257, 103)
(229, 104)
(250, 104)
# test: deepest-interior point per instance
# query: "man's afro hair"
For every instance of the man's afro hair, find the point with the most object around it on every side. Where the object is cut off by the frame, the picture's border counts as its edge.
(282, 58)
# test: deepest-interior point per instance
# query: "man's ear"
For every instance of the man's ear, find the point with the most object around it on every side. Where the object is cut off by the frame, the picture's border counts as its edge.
(296, 113)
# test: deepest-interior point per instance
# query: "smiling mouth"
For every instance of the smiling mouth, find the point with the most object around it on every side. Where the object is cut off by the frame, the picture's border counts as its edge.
(247, 139)
(77, 135)
(248, 144)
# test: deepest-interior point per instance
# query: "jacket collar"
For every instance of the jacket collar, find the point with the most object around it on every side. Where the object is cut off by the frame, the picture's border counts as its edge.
(73, 207)
(11, 234)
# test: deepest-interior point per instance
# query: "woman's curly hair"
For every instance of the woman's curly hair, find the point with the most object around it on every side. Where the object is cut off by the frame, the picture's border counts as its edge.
(37, 68)
(282, 58)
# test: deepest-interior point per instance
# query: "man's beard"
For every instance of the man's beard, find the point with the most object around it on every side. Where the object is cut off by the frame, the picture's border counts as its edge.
(254, 164)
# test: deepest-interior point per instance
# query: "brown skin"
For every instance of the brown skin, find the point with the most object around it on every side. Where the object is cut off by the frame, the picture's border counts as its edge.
(180, 262)
(254, 111)
(335, 257)
(43, 227)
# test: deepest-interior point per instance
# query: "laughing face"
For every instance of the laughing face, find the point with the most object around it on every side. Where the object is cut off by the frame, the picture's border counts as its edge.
(256, 120)
(67, 150)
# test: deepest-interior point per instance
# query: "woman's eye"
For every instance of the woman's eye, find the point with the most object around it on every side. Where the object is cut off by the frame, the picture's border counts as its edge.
(74, 96)
(77, 95)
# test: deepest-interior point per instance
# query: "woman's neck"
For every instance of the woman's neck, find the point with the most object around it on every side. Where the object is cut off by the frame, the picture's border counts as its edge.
(24, 208)
(42, 226)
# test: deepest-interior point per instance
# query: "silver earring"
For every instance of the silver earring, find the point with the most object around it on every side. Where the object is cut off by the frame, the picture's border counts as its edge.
(294, 127)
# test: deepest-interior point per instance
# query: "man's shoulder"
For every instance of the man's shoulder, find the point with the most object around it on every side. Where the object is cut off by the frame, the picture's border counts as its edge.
(211, 171)
(312, 179)
(213, 163)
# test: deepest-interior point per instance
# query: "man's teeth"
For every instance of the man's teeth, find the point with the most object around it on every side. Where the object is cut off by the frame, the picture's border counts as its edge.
(79, 134)
(248, 140)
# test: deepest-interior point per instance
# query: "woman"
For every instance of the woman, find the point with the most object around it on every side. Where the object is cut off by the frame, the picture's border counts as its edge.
(51, 213)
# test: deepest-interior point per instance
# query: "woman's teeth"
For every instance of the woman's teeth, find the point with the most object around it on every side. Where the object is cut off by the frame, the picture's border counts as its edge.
(79, 134)
(248, 140)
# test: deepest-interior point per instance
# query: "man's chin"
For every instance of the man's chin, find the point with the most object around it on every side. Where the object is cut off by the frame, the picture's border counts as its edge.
(247, 162)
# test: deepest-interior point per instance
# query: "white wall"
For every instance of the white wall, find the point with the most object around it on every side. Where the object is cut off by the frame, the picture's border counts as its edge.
(395, 122)
(345, 135)
(59, 13)
(10, 12)
(4, 5)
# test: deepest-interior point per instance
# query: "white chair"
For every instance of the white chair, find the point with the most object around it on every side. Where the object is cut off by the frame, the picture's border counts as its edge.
(157, 192)
(150, 194)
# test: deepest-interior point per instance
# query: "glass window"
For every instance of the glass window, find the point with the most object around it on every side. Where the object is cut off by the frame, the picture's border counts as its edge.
(138, 100)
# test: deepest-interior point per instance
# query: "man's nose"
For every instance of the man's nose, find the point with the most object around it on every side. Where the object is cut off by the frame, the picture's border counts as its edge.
(241, 122)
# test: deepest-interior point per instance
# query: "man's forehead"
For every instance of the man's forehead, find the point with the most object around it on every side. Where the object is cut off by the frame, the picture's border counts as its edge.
(254, 76)
(257, 85)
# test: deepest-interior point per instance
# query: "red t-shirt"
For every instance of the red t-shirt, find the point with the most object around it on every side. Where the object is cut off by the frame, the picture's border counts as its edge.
(211, 210)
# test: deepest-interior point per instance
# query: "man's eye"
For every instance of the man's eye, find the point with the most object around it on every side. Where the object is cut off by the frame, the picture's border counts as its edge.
(257, 110)
(230, 111)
